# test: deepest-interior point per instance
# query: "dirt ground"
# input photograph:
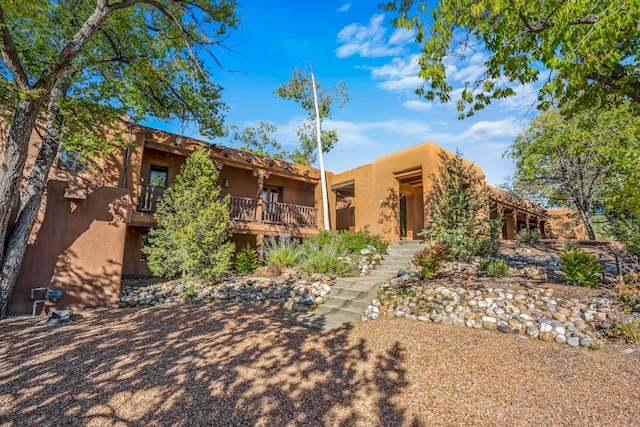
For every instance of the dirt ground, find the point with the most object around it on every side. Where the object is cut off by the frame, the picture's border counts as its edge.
(241, 365)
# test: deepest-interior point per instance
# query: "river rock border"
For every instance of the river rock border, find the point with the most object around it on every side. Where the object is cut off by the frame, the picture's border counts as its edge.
(289, 291)
(532, 313)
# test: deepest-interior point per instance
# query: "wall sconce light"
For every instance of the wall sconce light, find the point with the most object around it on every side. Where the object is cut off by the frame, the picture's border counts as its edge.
(227, 154)
(225, 183)
(178, 140)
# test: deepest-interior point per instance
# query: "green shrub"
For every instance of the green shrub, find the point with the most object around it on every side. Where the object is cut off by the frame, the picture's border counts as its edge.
(354, 242)
(430, 259)
(328, 259)
(189, 292)
(494, 267)
(625, 331)
(528, 236)
(580, 268)
(247, 260)
(282, 252)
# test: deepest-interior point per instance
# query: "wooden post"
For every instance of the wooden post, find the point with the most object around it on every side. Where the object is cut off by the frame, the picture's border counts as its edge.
(261, 174)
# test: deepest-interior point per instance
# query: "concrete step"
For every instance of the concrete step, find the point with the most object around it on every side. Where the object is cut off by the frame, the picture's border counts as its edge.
(355, 306)
(360, 282)
(403, 250)
(350, 293)
(407, 242)
(345, 304)
(397, 258)
(404, 264)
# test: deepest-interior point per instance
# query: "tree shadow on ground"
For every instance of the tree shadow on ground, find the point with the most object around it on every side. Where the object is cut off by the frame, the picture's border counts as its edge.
(194, 365)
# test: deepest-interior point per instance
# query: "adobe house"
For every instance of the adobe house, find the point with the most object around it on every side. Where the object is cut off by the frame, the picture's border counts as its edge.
(390, 196)
(94, 218)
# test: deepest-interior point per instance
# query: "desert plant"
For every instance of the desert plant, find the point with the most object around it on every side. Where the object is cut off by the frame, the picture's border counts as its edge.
(328, 259)
(528, 236)
(629, 295)
(189, 292)
(282, 252)
(494, 267)
(580, 268)
(430, 259)
(247, 260)
(625, 331)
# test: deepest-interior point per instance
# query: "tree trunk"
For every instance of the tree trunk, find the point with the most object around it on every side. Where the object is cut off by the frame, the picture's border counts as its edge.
(586, 220)
(15, 157)
(32, 199)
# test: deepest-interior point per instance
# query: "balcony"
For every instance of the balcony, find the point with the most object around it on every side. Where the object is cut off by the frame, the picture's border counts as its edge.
(244, 209)
(253, 210)
(149, 196)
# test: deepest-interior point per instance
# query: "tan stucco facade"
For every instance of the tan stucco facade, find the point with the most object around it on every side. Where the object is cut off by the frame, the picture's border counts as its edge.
(390, 196)
(92, 224)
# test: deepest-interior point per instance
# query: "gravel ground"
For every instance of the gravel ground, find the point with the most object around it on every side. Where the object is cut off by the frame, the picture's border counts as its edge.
(217, 365)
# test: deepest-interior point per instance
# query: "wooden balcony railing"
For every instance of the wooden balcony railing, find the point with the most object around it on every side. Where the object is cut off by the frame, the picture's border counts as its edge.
(284, 213)
(149, 196)
(244, 209)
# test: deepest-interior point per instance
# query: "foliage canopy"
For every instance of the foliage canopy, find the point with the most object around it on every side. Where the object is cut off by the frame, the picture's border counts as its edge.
(579, 49)
(299, 89)
(584, 160)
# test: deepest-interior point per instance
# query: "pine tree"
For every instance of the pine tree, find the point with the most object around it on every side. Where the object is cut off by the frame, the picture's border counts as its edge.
(192, 233)
(459, 206)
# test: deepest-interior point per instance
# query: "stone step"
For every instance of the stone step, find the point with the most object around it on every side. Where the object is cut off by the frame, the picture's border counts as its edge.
(405, 251)
(350, 293)
(397, 258)
(360, 282)
(346, 304)
(404, 264)
(407, 243)
(384, 273)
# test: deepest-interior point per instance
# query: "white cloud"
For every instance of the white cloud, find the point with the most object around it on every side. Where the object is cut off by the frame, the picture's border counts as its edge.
(345, 7)
(370, 41)
(485, 129)
(400, 75)
(416, 105)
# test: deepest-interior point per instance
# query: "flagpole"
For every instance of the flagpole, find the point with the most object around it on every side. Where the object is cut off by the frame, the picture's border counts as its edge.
(323, 179)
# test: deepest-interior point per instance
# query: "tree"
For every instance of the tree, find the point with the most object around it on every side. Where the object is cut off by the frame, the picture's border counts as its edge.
(579, 49)
(192, 233)
(256, 139)
(299, 89)
(72, 57)
(460, 208)
(576, 160)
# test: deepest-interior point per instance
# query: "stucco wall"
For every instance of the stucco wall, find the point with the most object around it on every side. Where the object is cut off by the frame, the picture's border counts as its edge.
(379, 185)
(78, 249)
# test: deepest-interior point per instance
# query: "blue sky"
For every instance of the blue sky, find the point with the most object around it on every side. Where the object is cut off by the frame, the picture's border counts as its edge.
(352, 42)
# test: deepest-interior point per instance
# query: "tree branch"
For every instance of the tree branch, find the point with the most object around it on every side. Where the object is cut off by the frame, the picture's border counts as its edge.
(10, 55)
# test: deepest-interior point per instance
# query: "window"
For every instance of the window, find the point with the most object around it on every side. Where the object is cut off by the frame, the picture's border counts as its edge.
(70, 160)
(272, 194)
(158, 176)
